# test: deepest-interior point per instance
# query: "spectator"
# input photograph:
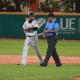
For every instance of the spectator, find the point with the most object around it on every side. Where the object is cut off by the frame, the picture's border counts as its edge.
(24, 7)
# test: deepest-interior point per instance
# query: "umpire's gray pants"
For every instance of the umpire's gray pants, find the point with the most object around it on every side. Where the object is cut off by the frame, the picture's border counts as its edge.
(30, 41)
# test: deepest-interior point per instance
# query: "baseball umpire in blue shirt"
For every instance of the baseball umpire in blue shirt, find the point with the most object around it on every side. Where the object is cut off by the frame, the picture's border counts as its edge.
(51, 32)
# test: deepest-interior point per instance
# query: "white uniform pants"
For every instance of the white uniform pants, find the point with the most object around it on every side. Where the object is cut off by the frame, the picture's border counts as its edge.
(33, 41)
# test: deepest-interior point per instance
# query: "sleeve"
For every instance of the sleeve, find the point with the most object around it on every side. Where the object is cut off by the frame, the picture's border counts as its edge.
(36, 24)
(56, 26)
(24, 25)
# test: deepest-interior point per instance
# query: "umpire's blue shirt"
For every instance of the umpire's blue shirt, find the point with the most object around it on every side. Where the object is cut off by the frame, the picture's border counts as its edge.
(52, 26)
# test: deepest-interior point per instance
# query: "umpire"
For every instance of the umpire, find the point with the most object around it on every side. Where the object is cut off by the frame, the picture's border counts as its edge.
(51, 31)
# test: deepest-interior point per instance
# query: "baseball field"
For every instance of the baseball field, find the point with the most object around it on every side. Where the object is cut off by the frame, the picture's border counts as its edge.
(10, 56)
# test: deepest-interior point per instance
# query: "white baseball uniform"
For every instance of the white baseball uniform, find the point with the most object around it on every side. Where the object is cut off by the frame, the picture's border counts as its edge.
(31, 39)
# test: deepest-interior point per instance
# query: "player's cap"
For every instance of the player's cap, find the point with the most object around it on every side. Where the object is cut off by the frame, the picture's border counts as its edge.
(51, 15)
(31, 14)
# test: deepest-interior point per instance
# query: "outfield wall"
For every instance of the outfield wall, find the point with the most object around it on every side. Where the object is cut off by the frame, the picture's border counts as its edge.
(11, 24)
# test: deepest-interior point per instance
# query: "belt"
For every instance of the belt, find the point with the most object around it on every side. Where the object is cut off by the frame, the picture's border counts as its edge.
(30, 36)
(52, 36)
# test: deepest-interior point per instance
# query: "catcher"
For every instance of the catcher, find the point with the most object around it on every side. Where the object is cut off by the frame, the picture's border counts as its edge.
(30, 28)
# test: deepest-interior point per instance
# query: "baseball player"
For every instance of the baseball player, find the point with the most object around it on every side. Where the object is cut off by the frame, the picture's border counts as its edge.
(30, 28)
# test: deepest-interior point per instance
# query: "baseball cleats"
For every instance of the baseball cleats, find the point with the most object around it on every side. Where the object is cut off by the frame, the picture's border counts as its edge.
(58, 65)
(43, 64)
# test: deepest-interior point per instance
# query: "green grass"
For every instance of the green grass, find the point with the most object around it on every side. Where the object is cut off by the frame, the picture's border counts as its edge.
(14, 46)
(36, 72)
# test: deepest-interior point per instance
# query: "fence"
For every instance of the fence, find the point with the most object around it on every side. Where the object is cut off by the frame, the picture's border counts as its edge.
(11, 24)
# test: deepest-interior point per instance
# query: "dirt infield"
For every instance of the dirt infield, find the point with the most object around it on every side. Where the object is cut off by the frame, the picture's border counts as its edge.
(16, 59)
(77, 77)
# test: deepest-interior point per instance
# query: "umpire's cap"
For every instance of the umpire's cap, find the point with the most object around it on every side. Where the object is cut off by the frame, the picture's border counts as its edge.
(51, 15)
(31, 14)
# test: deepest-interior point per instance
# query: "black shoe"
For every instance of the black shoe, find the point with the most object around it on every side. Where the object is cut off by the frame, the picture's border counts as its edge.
(58, 65)
(43, 64)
